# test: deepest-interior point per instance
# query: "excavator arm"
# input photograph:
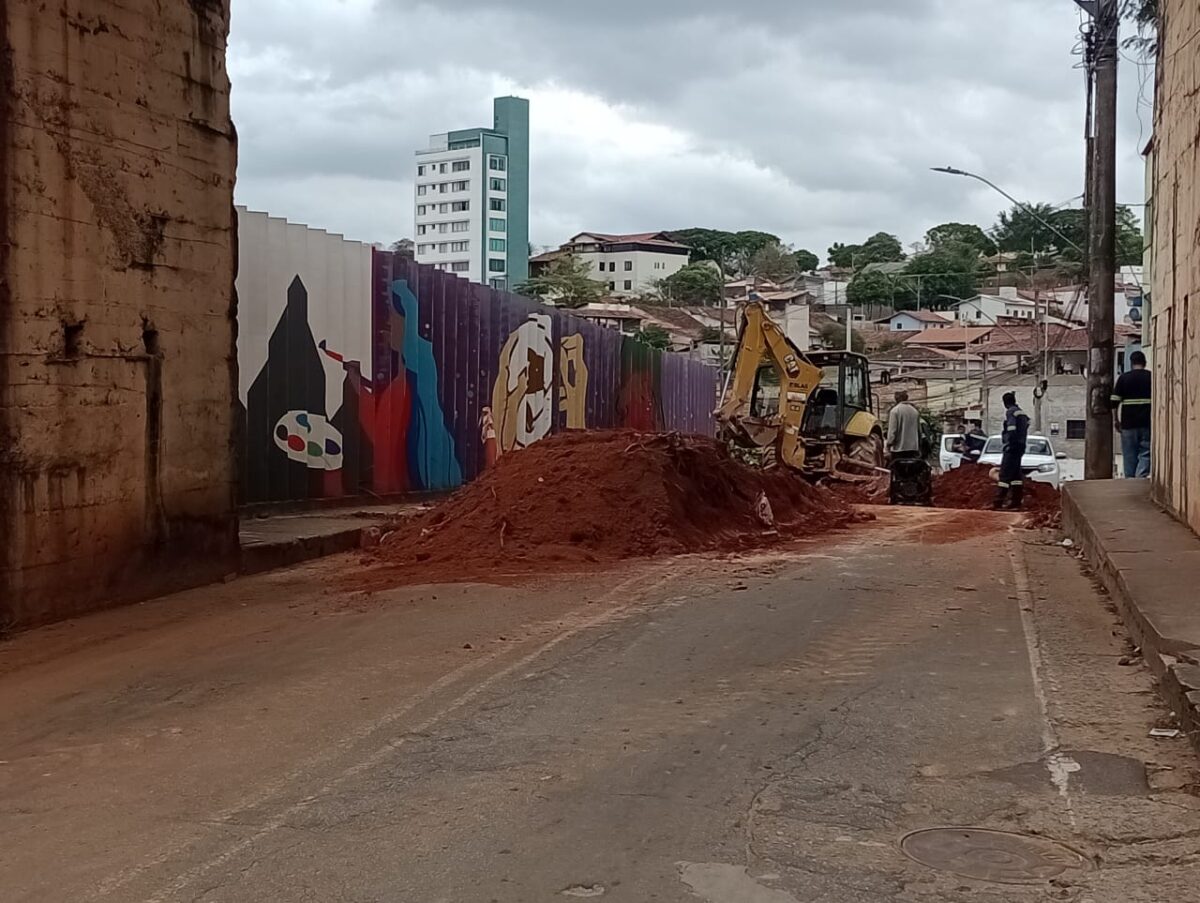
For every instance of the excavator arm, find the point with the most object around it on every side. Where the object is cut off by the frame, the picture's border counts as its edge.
(761, 341)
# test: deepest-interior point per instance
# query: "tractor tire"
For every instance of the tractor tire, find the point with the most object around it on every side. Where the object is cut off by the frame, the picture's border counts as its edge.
(868, 451)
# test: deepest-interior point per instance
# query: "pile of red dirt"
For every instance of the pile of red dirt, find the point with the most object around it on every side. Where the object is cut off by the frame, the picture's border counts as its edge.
(589, 498)
(974, 486)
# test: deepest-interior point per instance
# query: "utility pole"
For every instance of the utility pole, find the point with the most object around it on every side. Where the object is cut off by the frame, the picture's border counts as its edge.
(1098, 451)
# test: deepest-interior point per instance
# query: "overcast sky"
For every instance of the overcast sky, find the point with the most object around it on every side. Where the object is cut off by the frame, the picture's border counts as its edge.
(815, 120)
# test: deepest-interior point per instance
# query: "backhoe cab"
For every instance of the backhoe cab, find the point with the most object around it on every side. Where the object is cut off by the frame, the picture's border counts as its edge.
(810, 411)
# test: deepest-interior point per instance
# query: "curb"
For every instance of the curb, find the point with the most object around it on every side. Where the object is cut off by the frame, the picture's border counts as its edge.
(271, 556)
(1176, 664)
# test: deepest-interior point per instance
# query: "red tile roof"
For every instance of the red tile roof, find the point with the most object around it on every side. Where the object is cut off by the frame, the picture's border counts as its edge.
(641, 238)
(951, 335)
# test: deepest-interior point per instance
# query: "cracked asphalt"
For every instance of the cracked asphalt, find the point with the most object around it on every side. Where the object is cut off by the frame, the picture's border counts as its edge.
(755, 729)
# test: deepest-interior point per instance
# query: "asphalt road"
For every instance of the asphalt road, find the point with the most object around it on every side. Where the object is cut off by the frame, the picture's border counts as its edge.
(764, 729)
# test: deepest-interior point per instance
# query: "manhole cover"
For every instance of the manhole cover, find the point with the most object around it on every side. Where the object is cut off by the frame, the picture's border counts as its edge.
(998, 856)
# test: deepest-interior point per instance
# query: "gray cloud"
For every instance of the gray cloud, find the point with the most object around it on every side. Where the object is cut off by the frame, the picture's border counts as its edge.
(816, 121)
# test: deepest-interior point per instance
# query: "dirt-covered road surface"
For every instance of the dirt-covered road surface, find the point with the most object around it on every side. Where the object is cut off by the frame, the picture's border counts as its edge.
(764, 729)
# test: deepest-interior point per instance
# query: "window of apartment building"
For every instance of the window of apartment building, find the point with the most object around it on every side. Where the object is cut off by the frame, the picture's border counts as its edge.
(496, 266)
(441, 167)
(498, 164)
(497, 225)
(1076, 429)
(497, 244)
(499, 284)
(497, 204)
(459, 186)
(612, 286)
(458, 246)
(460, 226)
(443, 247)
(442, 208)
(628, 284)
(460, 206)
(498, 184)
(460, 266)
(628, 266)
(424, 249)
(421, 190)
(443, 187)
(443, 228)
(420, 209)
(420, 170)
(461, 166)
(421, 229)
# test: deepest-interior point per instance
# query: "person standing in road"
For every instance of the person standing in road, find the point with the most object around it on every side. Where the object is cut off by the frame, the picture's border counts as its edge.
(1132, 395)
(904, 429)
(1016, 434)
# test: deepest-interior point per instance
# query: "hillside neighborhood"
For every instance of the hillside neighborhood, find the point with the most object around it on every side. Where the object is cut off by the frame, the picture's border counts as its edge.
(373, 530)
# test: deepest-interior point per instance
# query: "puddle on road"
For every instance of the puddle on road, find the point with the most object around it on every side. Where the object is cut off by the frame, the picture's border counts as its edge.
(717, 882)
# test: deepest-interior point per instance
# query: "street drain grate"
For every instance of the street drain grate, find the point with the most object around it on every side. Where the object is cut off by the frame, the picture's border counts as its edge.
(997, 856)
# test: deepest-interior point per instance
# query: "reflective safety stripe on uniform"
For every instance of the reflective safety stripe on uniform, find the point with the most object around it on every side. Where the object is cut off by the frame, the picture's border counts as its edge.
(1017, 483)
(1002, 484)
(1136, 401)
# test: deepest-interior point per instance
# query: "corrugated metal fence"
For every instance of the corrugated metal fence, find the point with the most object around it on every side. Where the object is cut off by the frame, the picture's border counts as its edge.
(459, 375)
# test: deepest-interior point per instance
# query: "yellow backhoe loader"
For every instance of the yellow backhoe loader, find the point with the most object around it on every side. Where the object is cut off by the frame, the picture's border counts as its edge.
(811, 411)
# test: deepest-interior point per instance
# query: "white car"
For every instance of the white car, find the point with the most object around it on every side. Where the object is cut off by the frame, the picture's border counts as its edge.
(1039, 463)
(948, 458)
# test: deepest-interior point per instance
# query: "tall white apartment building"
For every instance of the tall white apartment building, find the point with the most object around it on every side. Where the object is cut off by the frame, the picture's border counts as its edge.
(472, 199)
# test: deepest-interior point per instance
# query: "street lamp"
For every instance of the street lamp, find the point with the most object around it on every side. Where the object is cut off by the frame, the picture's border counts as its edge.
(951, 171)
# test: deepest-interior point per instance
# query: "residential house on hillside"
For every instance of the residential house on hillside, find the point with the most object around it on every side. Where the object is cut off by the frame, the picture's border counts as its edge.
(985, 309)
(915, 321)
(1066, 349)
(615, 315)
(955, 337)
(628, 265)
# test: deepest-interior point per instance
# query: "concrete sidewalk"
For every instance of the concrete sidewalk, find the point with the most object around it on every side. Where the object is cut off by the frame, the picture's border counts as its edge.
(277, 540)
(1151, 564)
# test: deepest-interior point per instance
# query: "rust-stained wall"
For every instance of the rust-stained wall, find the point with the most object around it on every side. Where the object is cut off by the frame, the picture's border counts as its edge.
(117, 312)
(1175, 294)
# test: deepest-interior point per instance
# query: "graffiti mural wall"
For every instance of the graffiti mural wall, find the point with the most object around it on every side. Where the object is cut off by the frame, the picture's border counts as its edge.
(458, 375)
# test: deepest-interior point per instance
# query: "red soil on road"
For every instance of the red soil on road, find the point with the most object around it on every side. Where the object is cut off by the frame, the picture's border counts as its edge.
(968, 486)
(587, 499)
(974, 486)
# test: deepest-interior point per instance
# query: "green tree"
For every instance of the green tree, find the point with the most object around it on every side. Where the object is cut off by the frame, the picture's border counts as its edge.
(834, 336)
(842, 256)
(881, 248)
(1018, 230)
(567, 282)
(747, 245)
(1130, 240)
(733, 250)
(1032, 228)
(707, 244)
(806, 261)
(774, 262)
(875, 288)
(654, 336)
(967, 234)
(950, 269)
(696, 283)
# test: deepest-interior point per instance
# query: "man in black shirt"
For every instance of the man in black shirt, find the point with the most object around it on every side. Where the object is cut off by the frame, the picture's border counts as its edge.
(1132, 394)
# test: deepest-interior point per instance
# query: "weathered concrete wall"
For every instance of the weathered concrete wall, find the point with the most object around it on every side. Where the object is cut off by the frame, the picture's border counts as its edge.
(1175, 298)
(118, 313)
